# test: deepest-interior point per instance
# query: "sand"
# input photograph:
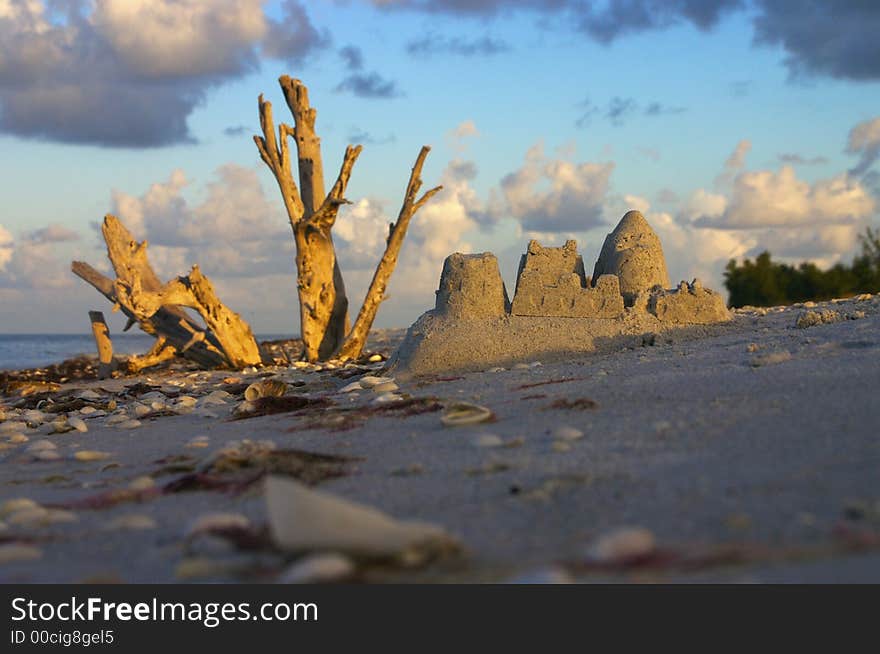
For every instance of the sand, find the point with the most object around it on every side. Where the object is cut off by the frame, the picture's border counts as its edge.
(747, 452)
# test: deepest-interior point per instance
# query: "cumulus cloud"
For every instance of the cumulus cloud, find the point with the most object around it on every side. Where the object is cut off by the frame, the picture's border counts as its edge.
(864, 141)
(734, 163)
(128, 73)
(779, 199)
(556, 195)
(32, 261)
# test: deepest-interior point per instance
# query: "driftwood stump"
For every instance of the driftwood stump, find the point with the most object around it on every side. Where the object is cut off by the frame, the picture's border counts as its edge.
(158, 309)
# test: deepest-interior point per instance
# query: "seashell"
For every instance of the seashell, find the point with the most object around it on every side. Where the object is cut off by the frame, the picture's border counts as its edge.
(216, 397)
(142, 483)
(129, 424)
(217, 521)
(88, 395)
(387, 387)
(91, 455)
(375, 358)
(369, 381)
(265, 388)
(17, 438)
(566, 433)
(87, 410)
(384, 398)
(302, 519)
(16, 504)
(140, 410)
(116, 419)
(12, 552)
(78, 423)
(301, 364)
(29, 516)
(318, 569)
(34, 416)
(623, 545)
(156, 405)
(47, 455)
(463, 413)
(354, 386)
(186, 400)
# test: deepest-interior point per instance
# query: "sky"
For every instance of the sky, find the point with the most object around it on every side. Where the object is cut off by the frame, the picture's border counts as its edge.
(735, 126)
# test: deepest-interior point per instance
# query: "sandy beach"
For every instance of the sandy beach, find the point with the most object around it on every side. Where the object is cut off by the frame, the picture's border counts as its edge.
(748, 454)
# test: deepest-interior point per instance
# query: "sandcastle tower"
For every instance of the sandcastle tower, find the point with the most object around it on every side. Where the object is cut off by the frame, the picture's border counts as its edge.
(633, 252)
(471, 287)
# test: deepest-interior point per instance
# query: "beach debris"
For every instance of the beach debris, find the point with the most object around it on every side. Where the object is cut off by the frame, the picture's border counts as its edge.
(306, 520)
(265, 388)
(318, 569)
(464, 413)
(15, 552)
(622, 546)
(821, 317)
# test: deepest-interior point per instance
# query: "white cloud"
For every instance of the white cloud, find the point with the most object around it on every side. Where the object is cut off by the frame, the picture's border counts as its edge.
(768, 199)
(31, 262)
(734, 163)
(556, 195)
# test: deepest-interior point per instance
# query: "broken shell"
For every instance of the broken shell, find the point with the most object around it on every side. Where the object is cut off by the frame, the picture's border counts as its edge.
(463, 413)
(91, 455)
(78, 423)
(567, 433)
(318, 569)
(623, 545)
(265, 388)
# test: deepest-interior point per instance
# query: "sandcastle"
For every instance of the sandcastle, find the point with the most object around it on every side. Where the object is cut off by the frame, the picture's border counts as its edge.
(557, 311)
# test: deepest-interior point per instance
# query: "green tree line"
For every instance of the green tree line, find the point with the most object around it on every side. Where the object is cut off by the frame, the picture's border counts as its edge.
(764, 282)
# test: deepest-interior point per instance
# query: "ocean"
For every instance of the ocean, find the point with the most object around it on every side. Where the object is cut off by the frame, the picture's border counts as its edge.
(18, 351)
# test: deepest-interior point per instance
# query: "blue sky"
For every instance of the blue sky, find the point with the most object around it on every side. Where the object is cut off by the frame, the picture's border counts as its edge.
(734, 126)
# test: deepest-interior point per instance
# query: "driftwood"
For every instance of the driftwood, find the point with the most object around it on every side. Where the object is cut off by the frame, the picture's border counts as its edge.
(357, 337)
(103, 343)
(322, 299)
(158, 309)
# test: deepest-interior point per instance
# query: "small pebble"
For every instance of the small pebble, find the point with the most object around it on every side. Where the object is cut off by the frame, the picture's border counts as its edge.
(40, 446)
(47, 455)
(129, 424)
(16, 504)
(567, 433)
(215, 521)
(140, 410)
(17, 438)
(386, 387)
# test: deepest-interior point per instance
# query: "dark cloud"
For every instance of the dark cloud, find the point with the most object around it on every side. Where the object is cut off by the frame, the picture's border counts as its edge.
(353, 57)
(357, 135)
(101, 76)
(236, 130)
(54, 233)
(837, 38)
(617, 18)
(657, 109)
(799, 160)
(432, 44)
(369, 85)
(619, 110)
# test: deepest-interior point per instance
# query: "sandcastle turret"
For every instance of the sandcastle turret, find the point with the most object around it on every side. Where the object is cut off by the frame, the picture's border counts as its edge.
(471, 287)
(633, 252)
